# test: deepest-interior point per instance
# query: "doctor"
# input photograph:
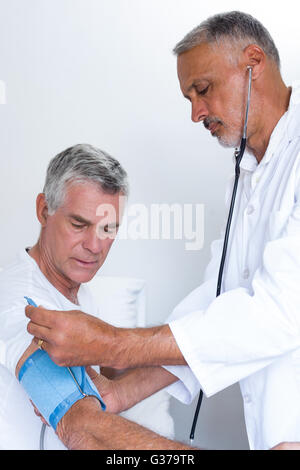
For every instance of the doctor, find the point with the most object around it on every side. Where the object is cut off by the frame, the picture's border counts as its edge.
(251, 333)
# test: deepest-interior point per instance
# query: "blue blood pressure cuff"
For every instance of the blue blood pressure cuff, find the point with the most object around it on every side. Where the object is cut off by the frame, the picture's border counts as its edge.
(54, 389)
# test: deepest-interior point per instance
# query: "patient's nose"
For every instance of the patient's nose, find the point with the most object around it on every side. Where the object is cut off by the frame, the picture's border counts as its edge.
(92, 242)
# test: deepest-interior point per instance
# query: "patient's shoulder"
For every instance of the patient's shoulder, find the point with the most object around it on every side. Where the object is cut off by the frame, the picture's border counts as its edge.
(14, 278)
(21, 278)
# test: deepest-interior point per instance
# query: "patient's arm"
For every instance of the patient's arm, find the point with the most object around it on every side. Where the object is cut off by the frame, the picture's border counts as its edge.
(94, 429)
(125, 390)
(30, 350)
(128, 389)
(85, 426)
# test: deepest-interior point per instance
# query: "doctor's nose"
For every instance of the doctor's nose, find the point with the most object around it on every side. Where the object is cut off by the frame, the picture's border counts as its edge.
(199, 111)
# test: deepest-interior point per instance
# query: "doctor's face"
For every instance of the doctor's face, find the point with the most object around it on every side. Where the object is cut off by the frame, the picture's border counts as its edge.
(217, 90)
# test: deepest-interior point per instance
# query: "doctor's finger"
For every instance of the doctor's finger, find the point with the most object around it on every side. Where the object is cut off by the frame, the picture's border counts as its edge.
(44, 346)
(39, 331)
(40, 315)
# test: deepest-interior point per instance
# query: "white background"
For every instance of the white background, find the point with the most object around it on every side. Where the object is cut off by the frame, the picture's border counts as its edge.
(103, 72)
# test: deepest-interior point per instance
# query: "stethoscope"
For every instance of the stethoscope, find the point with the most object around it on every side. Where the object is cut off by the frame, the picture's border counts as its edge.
(238, 154)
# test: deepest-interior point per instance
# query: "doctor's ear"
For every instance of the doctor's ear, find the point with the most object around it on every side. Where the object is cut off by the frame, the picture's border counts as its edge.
(42, 209)
(255, 58)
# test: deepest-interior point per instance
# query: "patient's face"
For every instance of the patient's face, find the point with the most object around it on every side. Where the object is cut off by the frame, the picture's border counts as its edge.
(78, 236)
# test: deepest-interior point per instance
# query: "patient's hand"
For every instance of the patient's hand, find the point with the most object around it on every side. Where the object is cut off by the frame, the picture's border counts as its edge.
(109, 390)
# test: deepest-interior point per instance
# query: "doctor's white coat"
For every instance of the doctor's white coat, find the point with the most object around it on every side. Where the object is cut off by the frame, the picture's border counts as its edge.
(251, 333)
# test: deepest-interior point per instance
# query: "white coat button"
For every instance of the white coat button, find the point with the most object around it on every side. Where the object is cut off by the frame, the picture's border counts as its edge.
(250, 210)
(247, 399)
(246, 273)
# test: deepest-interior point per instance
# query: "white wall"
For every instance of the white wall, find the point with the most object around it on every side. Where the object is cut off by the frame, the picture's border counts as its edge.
(102, 72)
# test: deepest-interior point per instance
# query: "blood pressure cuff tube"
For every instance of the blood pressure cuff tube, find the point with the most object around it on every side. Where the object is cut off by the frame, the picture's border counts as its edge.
(52, 388)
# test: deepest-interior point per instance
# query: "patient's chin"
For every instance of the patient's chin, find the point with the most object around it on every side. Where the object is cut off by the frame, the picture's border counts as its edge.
(80, 272)
(83, 276)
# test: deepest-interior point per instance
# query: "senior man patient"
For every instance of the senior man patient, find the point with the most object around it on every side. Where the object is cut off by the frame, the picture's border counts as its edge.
(249, 334)
(73, 244)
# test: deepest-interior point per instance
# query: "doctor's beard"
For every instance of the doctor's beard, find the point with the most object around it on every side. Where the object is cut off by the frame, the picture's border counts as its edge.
(229, 138)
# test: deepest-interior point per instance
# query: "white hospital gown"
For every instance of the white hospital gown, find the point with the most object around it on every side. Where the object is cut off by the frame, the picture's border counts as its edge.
(24, 278)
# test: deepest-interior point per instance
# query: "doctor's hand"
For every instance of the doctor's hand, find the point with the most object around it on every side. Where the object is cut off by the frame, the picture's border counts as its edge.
(72, 338)
(287, 446)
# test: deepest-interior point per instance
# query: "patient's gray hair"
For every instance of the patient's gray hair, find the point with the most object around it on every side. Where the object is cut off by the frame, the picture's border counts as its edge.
(236, 28)
(83, 163)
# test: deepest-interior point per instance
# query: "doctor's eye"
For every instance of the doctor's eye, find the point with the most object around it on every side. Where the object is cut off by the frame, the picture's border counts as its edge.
(202, 91)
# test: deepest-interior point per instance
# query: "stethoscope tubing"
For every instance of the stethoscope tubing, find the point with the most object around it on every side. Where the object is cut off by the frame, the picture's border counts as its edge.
(238, 156)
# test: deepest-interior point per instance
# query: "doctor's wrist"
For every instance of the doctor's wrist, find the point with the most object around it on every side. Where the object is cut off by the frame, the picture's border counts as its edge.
(139, 347)
(122, 348)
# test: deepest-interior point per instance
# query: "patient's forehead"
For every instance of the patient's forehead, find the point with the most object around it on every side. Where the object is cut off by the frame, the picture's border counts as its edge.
(85, 199)
(82, 193)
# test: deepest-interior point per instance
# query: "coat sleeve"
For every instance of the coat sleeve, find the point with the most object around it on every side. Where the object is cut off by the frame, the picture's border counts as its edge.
(188, 385)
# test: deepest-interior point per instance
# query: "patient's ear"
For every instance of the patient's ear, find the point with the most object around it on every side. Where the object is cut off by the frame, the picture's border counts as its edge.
(42, 209)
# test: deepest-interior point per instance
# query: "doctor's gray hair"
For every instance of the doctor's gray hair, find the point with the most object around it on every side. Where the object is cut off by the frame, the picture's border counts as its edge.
(236, 28)
(79, 164)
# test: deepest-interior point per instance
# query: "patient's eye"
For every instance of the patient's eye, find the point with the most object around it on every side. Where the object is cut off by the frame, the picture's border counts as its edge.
(77, 226)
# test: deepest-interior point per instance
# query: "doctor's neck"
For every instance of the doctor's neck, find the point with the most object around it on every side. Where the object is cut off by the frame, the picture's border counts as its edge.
(272, 98)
